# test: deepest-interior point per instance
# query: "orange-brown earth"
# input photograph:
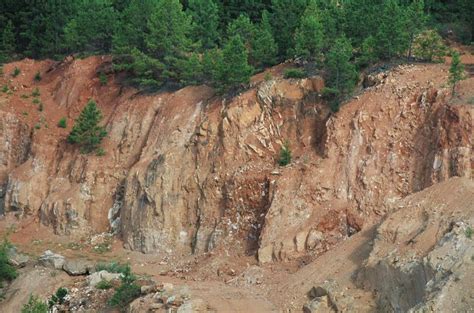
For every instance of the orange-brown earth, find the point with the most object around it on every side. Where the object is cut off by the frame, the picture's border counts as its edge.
(191, 179)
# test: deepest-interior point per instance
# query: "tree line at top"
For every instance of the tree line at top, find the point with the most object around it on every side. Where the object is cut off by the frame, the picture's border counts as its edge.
(222, 43)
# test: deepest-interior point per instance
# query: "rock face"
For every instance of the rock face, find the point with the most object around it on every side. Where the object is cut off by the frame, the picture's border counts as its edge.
(189, 172)
(95, 278)
(422, 255)
(78, 267)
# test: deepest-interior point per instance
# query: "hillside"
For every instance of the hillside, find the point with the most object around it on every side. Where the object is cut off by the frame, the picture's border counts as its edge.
(191, 188)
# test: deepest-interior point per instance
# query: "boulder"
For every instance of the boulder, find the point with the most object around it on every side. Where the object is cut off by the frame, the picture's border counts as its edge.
(17, 259)
(193, 306)
(78, 267)
(94, 278)
(51, 260)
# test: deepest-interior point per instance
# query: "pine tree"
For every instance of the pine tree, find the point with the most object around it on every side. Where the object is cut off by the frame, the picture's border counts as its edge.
(456, 72)
(92, 28)
(205, 22)
(243, 27)
(286, 15)
(212, 66)
(309, 35)
(392, 37)
(8, 41)
(86, 132)
(341, 73)
(367, 53)
(191, 70)
(264, 48)
(168, 38)
(234, 69)
(415, 22)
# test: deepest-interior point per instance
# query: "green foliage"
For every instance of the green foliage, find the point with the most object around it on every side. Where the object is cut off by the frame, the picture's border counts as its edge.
(285, 154)
(309, 35)
(243, 27)
(86, 132)
(191, 70)
(7, 43)
(285, 20)
(341, 73)
(37, 76)
(7, 271)
(16, 72)
(469, 232)
(234, 70)
(58, 297)
(62, 123)
(5, 88)
(264, 48)
(456, 72)
(35, 305)
(415, 20)
(268, 76)
(205, 22)
(103, 285)
(429, 46)
(102, 78)
(36, 101)
(391, 38)
(35, 92)
(294, 73)
(40, 107)
(113, 267)
(367, 54)
(128, 290)
(92, 27)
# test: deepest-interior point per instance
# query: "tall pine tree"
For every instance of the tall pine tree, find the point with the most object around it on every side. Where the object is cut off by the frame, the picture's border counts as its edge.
(309, 35)
(391, 38)
(205, 22)
(264, 48)
(7, 48)
(234, 69)
(456, 72)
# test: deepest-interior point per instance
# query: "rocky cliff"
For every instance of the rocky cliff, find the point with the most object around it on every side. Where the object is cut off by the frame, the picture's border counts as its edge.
(190, 172)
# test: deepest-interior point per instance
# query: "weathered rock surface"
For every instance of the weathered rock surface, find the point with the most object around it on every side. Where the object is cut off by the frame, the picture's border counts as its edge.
(422, 255)
(51, 260)
(16, 258)
(96, 277)
(78, 267)
(188, 172)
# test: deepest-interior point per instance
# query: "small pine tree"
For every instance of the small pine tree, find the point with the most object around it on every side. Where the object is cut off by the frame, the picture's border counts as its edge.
(285, 154)
(456, 72)
(415, 21)
(7, 272)
(429, 46)
(86, 132)
(234, 69)
(309, 37)
(367, 54)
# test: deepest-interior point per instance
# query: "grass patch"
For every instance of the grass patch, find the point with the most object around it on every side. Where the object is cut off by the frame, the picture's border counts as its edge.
(468, 232)
(35, 305)
(16, 72)
(113, 267)
(103, 285)
(35, 92)
(294, 73)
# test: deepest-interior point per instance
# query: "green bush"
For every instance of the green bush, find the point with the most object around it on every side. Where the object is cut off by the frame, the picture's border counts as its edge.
(34, 305)
(103, 284)
(37, 76)
(128, 290)
(16, 72)
(268, 76)
(469, 232)
(5, 88)
(40, 107)
(62, 123)
(113, 267)
(103, 78)
(36, 101)
(36, 92)
(429, 46)
(58, 297)
(7, 271)
(101, 152)
(294, 73)
(285, 154)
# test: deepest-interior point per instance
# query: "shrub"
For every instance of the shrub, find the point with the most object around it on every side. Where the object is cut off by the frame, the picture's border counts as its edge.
(113, 267)
(268, 76)
(34, 305)
(128, 290)
(294, 73)
(24, 96)
(36, 101)
(103, 78)
(16, 72)
(5, 88)
(103, 284)
(36, 92)
(86, 132)
(469, 232)
(429, 46)
(37, 76)
(7, 271)
(37, 126)
(285, 154)
(62, 123)
(58, 297)
(101, 152)
(40, 107)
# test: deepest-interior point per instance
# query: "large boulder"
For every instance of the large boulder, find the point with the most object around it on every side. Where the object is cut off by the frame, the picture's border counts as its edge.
(16, 258)
(78, 267)
(95, 278)
(51, 260)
